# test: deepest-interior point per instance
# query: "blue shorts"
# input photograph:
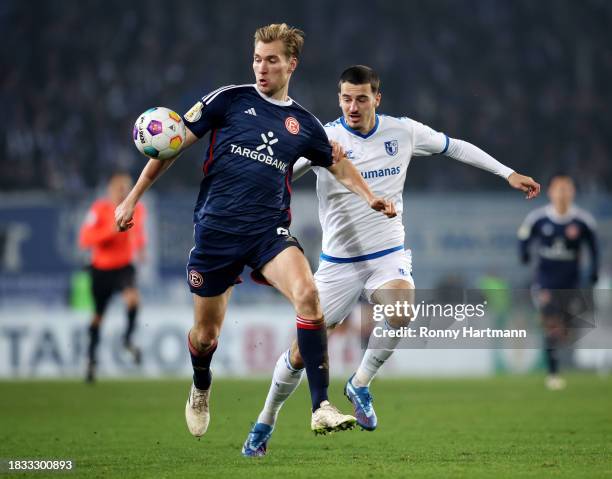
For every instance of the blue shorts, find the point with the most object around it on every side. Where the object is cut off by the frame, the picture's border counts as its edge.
(218, 258)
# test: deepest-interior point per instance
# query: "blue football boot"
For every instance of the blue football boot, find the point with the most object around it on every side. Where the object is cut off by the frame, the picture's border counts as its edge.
(257, 441)
(362, 404)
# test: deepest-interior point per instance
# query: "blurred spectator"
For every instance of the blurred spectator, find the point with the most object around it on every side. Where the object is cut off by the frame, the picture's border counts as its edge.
(528, 81)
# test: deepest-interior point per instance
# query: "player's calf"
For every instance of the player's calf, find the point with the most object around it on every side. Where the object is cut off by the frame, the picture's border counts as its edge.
(312, 343)
(94, 339)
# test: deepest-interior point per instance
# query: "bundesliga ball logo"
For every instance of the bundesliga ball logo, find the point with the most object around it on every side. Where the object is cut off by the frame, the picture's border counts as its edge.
(159, 133)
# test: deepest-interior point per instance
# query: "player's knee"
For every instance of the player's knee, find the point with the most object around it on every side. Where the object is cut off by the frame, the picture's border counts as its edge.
(204, 338)
(96, 320)
(131, 297)
(552, 324)
(133, 300)
(306, 297)
(399, 321)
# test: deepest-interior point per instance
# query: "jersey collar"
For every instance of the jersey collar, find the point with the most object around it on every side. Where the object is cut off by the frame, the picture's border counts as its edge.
(560, 219)
(358, 133)
(287, 102)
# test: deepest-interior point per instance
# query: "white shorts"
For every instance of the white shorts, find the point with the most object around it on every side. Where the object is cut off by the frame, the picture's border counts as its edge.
(341, 285)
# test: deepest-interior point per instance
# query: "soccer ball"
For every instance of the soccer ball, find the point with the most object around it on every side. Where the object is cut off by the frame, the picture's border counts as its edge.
(159, 133)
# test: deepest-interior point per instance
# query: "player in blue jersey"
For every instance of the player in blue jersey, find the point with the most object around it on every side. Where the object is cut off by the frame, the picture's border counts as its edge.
(560, 229)
(242, 213)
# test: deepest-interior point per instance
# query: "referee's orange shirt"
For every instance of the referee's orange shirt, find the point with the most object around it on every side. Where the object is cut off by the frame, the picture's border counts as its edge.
(111, 249)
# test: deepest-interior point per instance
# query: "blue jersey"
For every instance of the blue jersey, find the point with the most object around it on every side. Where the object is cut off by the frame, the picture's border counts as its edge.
(559, 239)
(253, 144)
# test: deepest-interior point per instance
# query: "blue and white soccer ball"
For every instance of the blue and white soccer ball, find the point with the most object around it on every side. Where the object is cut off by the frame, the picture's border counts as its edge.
(159, 133)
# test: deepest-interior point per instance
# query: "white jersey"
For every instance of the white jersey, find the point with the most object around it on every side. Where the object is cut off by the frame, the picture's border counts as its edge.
(351, 229)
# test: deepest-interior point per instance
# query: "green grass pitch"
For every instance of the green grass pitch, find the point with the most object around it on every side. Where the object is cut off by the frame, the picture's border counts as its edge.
(496, 427)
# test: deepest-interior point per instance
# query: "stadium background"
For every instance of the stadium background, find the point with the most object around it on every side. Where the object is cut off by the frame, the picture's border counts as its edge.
(529, 82)
(526, 83)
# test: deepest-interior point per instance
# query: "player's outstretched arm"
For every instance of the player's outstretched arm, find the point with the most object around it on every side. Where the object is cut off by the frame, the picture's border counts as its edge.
(124, 213)
(472, 155)
(524, 183)
(346, 173)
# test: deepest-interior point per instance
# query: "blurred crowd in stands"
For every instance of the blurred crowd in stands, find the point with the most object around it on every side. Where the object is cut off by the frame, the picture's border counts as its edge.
(530, 82)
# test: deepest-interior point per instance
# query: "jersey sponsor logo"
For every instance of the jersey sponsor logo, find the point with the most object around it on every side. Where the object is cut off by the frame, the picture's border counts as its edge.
(194, 113)
(261, 157)
(195, 279)
(395, 170)
(292, 125)
(391, 147)
(558, 251)
(268, 140)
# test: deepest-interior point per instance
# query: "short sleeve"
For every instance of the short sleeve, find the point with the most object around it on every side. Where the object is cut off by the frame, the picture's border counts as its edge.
(319, 151)
(209, 112)
(426, 140)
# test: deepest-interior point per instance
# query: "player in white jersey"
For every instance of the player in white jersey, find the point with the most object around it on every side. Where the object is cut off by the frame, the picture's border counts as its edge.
(363, 254)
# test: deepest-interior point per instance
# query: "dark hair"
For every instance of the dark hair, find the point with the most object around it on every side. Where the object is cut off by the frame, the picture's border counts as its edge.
(118, 173)
(359, 75)
(560, 175)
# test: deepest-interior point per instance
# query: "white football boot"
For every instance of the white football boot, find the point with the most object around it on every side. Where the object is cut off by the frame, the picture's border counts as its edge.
(555, 383)
(197, 413)
(329, 419)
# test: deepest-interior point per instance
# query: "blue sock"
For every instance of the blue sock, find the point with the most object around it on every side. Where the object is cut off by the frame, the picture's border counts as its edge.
(551, 354)
(312, 341)
(201, 365)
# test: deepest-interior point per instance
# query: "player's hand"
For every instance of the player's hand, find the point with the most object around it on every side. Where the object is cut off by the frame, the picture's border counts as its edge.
(124, 216)
(338, 152)
(525, 184)
(386, 207)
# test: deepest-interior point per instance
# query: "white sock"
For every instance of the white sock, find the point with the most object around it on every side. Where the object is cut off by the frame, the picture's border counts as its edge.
(285, 380)
(373, 359)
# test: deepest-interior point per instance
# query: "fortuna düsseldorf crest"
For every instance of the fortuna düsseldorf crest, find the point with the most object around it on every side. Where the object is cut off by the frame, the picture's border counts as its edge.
(292, 125)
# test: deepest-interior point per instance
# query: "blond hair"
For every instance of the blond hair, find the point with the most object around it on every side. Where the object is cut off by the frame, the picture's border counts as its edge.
(292, 38)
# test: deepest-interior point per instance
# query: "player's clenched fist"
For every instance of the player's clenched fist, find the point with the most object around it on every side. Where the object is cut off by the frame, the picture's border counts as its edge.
(124, 214)
(525, 184)
(386, 207)
(338, 152)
